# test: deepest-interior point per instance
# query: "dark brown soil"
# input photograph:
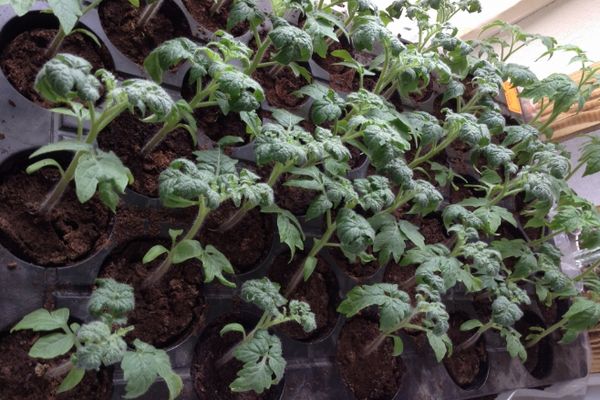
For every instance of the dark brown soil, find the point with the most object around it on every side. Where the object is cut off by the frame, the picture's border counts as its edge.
(166, 311)
(292, 198)
(23, 377)
(213, 122)
(200, 10)
(458, 154)
(279, 89)
(320, 292)
(341, 78)
(539, 357)
(403, 276)
(127, 135)
(356, 270)
(431, 226)
(119, 20)
(373, 377)
(212, 383)
(464, 366)
(69, 233)
(357, 157)
(247, 244)
(24, 56)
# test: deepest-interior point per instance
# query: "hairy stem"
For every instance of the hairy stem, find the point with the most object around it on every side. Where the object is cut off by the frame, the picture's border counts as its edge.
(473, 339)
(316, 248)
(384, 70)
(57, 192)
(217, 5)
(57, 41)
(260, 53)
(238, 216)
(433, 152)
(162, 269)
(157, 138)
(148, 13)
(228, 356)
(547, 332)
(60, 370)
(374, 345)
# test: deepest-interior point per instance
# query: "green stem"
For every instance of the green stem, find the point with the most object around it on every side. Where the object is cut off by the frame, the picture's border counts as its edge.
(228, 356)
(217, 6)
(260, 53)
(543, 239)
(203, 94)
(158, 138)
(162, 269)
(316, 248)
(148, 13)
(547, 332)
(57, 192)
(473, 339)
(384, 71)
(56, 43)
(434, 151)
(278, 170)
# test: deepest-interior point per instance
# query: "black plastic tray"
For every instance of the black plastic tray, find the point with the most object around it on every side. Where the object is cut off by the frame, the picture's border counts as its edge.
(312, 372)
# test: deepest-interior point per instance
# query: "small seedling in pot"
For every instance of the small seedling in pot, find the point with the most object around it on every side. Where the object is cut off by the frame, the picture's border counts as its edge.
(260, 351)
(504, 315)
(583, 315)
(68, 13)
(291, 44)
(397, 314)
(67, 79)
(287, 146)
(99, 343)
(204, 185)
(216, 82)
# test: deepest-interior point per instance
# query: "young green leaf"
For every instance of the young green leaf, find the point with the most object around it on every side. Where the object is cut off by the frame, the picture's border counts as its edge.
(354, 232)
(291, 43)
(141, 368)
(43, 320)
(66, 78)
(263, 362)
(264, 294)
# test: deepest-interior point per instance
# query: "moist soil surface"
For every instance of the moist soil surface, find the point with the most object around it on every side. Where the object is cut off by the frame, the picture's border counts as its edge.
(24, 56)
(245, 245)
(171, 308)
(200, 10)
(294, 199)
(355, 270)
(320, 292)
(344, 79)
(70, 232)
(212, 121)
(376, 376)
(403, 276)
(23, 377)
(119, 20)
(464, 366)
(212, 383)
(127, 135)
(279, 88)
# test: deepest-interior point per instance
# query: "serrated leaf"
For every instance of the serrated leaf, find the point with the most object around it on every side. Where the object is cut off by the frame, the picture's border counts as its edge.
(104, 169)
(67, 12)
(393, 303)
(141, 368)
(215, 265)
(438, 345)
(263, 362)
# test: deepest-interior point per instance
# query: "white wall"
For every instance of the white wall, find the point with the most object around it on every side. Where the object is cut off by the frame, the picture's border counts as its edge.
(570, 22)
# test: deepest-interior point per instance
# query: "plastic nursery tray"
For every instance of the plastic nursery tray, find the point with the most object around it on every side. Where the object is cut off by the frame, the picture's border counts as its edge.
(311, 372)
